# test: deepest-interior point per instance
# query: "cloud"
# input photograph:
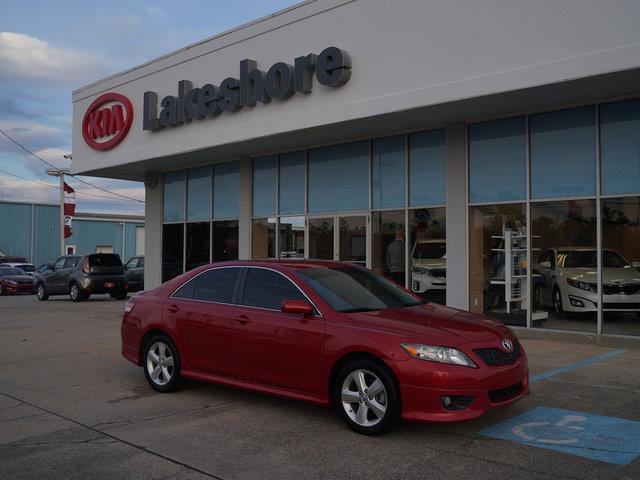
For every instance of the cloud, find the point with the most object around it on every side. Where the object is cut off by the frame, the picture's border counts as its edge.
(25, 57)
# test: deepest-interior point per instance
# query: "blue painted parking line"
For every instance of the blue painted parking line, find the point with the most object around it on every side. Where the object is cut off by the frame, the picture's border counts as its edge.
(608, 439)
(573, 366)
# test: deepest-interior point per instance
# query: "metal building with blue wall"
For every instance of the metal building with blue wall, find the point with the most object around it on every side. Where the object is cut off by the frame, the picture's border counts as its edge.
(32, 230)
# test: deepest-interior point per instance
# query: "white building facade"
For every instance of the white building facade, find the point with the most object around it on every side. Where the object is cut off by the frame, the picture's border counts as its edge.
(499, 141)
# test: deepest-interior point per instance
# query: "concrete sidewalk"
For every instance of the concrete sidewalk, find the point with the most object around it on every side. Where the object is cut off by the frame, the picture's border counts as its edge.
(72, 407)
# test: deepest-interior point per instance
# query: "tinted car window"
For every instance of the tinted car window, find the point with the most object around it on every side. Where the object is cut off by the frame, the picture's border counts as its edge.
(104, 261)
(26, 268)
(11, 271)
(186, 290)
(71, 262)
(60, 263)
(217, 285)
(132, 263)
(267, 289)
(140, 262)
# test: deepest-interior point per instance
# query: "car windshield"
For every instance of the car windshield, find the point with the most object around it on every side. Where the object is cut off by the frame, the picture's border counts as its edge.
(430, 251)
(107, 260)
(6, 271)
(588, 259)
(26, 268)
(352, 289)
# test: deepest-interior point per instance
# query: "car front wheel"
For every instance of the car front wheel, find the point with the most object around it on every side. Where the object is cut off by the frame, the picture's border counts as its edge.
(42, 293)
(161, 364)
(367, 397)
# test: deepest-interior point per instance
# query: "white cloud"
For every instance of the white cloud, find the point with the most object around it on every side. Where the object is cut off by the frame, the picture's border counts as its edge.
(23, 130)
(27, 57)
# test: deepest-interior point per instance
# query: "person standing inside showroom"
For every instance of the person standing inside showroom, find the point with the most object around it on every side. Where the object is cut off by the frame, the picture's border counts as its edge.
(395, 258)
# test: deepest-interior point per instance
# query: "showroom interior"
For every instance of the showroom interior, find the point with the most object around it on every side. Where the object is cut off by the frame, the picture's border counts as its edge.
(551, 196)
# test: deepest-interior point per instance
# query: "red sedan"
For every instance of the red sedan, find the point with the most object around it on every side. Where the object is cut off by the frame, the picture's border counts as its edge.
(328, 333)
(15, 280)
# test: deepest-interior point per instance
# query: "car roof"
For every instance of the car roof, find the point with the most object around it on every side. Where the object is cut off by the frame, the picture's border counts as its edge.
(294, 263)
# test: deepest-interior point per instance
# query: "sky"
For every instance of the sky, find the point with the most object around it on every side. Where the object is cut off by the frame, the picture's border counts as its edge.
(49, 48)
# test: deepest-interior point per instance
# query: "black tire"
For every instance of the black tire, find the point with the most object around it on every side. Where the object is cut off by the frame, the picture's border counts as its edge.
(558, 307)
(118, 296)
(174, 382)
(41, 292)
(75, 293)
(391, 399)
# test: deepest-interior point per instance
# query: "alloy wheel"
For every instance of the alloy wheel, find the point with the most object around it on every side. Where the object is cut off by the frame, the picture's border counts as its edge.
(364, 398)
(160, 364)
(557, 303)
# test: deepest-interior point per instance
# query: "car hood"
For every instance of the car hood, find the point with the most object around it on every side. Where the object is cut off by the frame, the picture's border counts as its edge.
(19, 278)
(614, 276)
(433, 324)
(429, 262)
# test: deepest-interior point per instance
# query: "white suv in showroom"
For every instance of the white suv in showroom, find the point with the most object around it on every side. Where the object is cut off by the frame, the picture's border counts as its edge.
(429, 265)
(567, 281)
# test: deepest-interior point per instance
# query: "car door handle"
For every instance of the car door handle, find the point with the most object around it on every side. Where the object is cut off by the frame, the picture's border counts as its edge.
(242, 320)
(173, 308)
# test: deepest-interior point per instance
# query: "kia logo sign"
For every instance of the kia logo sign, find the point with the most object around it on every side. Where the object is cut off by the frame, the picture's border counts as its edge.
(107, 121)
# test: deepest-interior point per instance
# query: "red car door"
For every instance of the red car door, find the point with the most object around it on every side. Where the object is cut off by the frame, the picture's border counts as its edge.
(201, 314)
(271, 347)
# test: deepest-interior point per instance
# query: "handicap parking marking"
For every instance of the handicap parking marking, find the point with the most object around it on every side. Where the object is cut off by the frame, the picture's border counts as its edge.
(608, 439)
(573, 366)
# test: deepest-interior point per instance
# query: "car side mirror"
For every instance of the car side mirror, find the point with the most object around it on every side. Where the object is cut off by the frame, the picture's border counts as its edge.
(545, 264)
(300, 307)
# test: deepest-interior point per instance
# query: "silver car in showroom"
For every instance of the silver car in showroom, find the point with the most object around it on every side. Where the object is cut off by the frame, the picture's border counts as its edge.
(429, 265)
(566, 280)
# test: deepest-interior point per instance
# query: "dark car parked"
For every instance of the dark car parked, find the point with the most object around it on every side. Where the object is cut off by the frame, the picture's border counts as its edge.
(82, 275)
(134, 270)
(15, 280)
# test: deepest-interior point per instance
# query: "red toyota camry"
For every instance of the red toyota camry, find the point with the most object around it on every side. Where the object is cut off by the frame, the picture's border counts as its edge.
(324, 332)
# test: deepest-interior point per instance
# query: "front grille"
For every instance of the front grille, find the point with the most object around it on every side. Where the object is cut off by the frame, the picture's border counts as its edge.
(502, 394)
(495, 357)
(631, 289)
(438, 272)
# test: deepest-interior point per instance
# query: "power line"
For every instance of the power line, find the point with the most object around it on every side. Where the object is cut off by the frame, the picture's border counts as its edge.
(69, 174)
(57, 187)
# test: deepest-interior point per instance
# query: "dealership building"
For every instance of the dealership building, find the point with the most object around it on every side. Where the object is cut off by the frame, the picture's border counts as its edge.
(486, 154)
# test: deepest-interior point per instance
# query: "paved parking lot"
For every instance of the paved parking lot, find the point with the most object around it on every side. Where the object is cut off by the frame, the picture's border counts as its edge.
(72, 407)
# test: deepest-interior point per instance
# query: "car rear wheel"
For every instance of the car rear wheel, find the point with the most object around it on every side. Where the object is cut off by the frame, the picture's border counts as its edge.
(75, 293)
(161, 364)
(367, 397)
(558, 309)
(41, 292)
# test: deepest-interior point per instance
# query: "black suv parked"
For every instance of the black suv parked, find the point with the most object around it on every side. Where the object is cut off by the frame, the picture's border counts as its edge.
(81, 275)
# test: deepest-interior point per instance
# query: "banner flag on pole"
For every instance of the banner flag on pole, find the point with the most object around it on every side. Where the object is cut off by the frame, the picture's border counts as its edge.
(69, 209)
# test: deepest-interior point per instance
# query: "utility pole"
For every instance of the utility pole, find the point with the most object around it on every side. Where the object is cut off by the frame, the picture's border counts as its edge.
(60, 172)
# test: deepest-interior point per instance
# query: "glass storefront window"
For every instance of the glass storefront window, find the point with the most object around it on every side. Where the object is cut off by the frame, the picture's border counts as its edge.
(388, 235)
(563, 162)
(225, 190)
(172, 250)
(620, 147)
(263, 233)
(225, 241)
(264, 185)
(174, 193)
(352, 239)
(564, 273)
(498, 262)
(388, 172)
(427, 168)
(497, 160)
(197, 248)
(291, 237)
(338, 178)
(291, 184)
(199, 193)
(321, 238)
(428, 246)
(621, 266)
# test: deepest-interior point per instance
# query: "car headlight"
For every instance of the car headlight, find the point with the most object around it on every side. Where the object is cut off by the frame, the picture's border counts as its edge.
(419, 271)
(589, 287)
(430, 353)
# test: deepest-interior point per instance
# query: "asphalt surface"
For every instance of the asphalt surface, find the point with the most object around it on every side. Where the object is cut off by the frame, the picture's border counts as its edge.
(72, 407)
